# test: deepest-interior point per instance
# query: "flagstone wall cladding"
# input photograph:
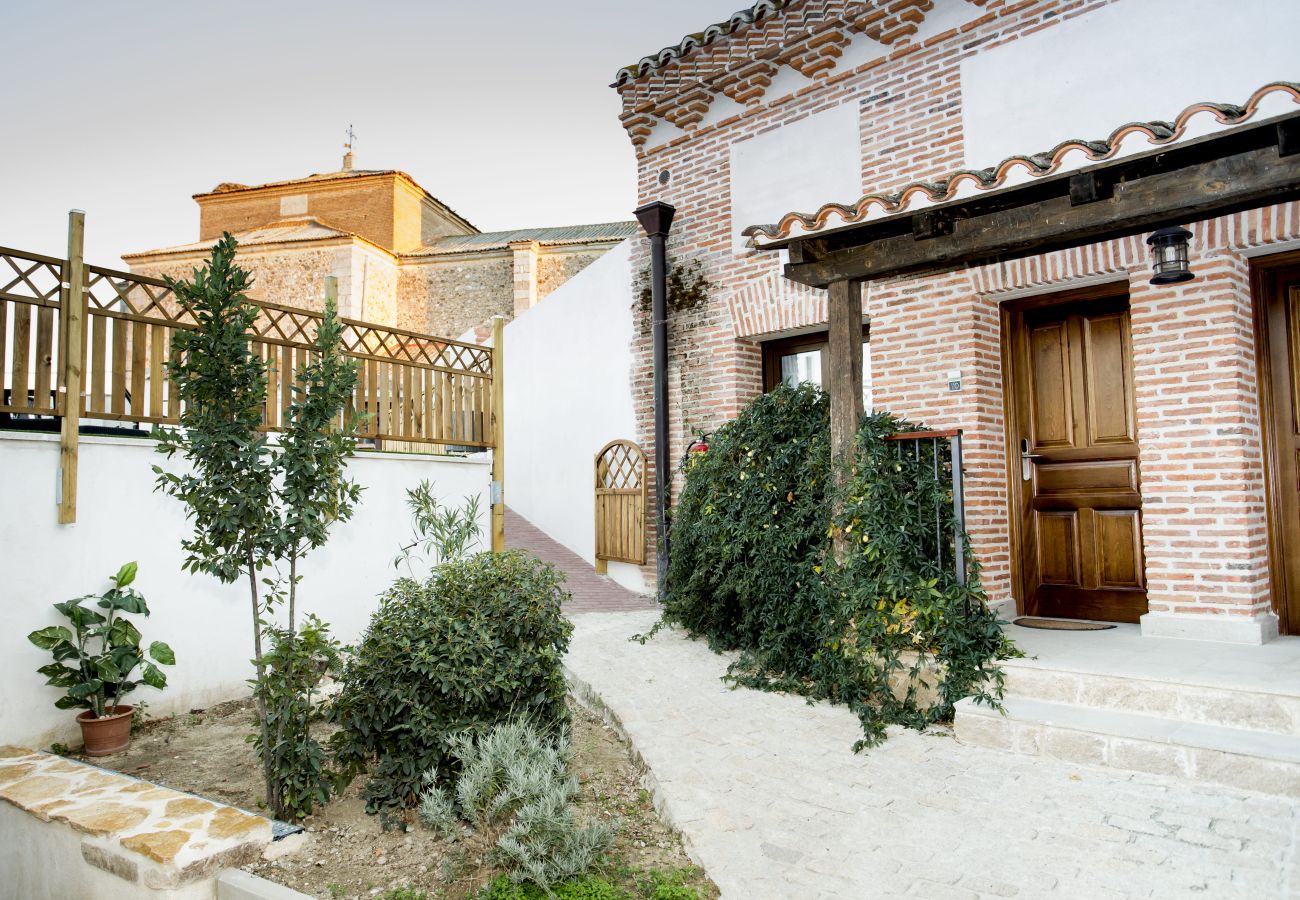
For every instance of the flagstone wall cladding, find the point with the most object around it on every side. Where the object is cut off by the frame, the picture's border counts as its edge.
(556, 267)
(151, 840)
(448, 295)
(285, 275)
(1204, 525)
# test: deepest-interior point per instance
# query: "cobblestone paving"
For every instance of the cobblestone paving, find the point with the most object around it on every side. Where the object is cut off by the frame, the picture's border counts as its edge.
(773, 803)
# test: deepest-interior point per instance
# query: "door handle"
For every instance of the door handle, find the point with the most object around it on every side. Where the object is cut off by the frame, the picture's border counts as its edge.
(1027, 459)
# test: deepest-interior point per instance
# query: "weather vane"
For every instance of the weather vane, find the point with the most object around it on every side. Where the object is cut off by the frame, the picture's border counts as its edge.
(352, 136)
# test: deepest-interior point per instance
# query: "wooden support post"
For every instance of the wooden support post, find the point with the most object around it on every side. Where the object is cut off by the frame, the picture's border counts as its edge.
(498, 435)
(844, 352)
(72, 321)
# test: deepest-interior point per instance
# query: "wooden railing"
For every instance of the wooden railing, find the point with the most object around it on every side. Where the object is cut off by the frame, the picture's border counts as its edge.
(414, 388)
(104, 342)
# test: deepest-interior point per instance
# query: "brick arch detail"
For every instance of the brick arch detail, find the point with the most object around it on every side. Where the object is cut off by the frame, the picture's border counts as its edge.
(773, 304)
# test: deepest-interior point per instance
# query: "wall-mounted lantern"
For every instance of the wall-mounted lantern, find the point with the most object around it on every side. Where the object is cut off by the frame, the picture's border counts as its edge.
(1169, 256)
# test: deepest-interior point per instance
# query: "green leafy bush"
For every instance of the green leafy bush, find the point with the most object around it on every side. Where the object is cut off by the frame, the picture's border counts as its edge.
(888, 629)
(480, 642)
(295, 665)
(655, 886)
(95, 659)
(750, 526)
(438, 533)
(513, 785)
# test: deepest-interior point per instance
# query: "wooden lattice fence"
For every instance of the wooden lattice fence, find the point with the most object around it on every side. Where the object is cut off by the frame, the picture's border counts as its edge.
(414, 390)
(412, 387)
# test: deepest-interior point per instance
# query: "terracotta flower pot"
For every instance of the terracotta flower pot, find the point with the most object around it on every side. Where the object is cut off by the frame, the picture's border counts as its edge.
(106, 735)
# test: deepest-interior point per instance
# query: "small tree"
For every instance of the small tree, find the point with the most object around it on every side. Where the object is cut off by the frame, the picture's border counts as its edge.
(254, 504)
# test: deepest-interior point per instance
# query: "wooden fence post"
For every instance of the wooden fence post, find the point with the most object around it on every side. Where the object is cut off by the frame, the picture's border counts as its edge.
(72, 319)
(498, 435)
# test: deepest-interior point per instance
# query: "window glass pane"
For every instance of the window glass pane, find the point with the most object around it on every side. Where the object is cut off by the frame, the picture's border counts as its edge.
(801, 367)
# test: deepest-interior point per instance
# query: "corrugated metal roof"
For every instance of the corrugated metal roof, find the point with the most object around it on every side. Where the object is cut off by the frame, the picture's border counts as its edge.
(278, 233)
(496, 240)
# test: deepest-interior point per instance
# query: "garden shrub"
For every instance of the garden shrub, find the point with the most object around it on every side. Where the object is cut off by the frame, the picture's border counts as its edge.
(513, 784)
(752, 566)
(295, 666)
(750, 526)
(658, 886)
(479, 642)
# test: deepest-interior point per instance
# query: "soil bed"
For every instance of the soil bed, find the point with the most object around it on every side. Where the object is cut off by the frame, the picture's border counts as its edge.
(346, 854)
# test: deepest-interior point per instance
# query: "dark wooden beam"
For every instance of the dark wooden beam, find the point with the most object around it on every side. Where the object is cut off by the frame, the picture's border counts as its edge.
(1288, 137)
(1089, 187)
(1153, 199)
(844, 380)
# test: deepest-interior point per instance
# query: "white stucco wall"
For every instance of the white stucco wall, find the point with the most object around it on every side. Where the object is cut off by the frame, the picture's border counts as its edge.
(765, 185)
(568, 364)
(1136, 60)
(120, 518)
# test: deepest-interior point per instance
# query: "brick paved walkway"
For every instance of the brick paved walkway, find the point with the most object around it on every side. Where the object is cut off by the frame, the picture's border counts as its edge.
(774, 805)
(591, 592)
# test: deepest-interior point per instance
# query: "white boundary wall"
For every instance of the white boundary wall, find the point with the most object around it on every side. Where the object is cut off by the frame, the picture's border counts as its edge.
(120, 518)
(568, 365)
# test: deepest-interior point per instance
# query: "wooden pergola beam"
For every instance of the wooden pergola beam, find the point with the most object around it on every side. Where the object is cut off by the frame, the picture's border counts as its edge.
(844, 380)
(1211, 178)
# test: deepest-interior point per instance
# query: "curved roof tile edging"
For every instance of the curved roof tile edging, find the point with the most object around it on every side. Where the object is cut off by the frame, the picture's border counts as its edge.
(734, 22)
(1128, 139)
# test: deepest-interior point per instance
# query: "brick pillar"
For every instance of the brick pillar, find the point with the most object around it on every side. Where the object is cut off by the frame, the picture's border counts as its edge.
(1203, 517)
(525, 270)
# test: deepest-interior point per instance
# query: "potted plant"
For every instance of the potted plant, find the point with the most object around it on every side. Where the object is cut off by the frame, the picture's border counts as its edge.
(94, 661)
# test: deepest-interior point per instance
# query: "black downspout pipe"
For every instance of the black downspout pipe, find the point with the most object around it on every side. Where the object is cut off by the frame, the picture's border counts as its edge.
(657, 218)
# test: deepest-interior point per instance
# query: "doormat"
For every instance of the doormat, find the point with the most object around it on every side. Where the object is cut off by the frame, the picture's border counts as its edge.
(1060, 624)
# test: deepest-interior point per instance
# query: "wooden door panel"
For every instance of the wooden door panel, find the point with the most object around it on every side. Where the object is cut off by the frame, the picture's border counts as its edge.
(1049, 386)
(1280, 328)
(1058, 543)
(1106, 356)
(1119, 548)
(1080, 521)
(1081, 482)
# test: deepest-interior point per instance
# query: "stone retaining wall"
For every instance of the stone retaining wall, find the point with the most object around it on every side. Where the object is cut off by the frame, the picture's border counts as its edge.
(74, 830)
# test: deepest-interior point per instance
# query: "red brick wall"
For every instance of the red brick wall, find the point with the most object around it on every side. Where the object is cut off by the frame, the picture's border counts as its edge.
(1201, 460)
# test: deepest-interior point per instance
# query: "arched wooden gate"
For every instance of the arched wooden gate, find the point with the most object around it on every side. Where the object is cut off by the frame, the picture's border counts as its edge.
(620, 504)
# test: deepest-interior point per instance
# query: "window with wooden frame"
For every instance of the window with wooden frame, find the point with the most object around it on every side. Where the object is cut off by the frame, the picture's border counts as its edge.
(803, 358)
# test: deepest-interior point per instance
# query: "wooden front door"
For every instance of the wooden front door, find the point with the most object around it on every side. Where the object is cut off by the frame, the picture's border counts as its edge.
(1280, 308)
(1074, 460)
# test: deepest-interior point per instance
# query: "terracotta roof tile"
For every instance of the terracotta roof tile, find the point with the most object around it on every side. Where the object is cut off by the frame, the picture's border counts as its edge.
(734, 22)
(1134, 138)
(289, 230)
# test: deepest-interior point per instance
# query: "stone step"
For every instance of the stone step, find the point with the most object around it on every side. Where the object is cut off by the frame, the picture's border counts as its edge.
(1238, 757)
(1276, 712)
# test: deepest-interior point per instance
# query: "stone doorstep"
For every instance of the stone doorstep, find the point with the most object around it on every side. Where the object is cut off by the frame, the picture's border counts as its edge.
(1278, 713)
(138, 831)
(1237, 757)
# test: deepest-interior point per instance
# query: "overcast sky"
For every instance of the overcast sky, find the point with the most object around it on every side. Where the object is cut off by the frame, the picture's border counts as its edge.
(500, 109)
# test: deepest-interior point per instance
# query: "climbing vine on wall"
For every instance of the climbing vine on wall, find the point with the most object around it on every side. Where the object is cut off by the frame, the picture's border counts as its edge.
(888, 629)
(688, 288)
